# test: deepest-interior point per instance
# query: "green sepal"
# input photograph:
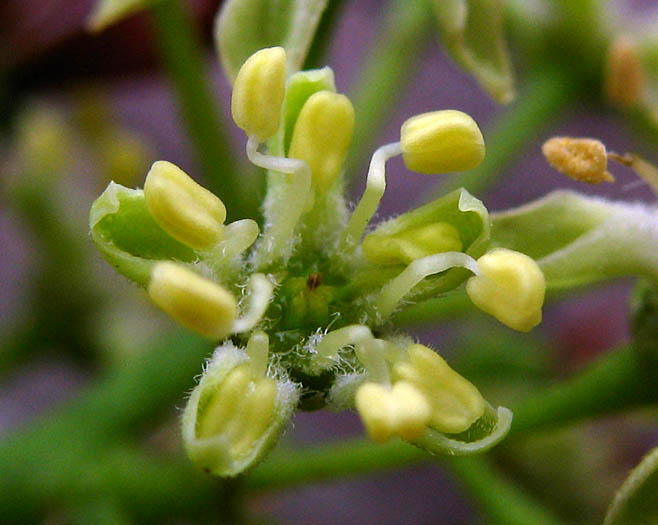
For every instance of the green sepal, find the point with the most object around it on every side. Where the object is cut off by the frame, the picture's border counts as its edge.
(636, 501)
(462, 211)
(579, 240)
(213, 454)
(300, 87)
(245, 26)
(484, 434)
(473, 33)
(128, 237)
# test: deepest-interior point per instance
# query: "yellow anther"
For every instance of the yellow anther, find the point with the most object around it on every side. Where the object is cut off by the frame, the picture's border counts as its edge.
(197, 303)
(511, 287)
(257, 411)
(455, 404)
(322, 134)
(441, 141)
(258, 93)
(583, 159)
(401, 410)
(223, 404)
(186, 211)
(625, 79)
(411, 244)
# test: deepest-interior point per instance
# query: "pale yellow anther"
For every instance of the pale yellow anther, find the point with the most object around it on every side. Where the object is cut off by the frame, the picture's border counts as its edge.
(582, 159)
(455, 404)
(322, 134)
(401, 410)
(511, 287)
(185, 210)
(258, 93)
(411, 244)
(197, 303)
(441, 141)
(256, 414)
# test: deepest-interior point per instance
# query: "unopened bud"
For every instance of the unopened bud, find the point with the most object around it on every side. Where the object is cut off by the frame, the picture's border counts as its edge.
(235, 414)
(258, 93)
(185, 210)
(322, 134)
(411, 244)
(511, 287)
(585, 160)
(441, 141)
(194, 301)
(455, 404)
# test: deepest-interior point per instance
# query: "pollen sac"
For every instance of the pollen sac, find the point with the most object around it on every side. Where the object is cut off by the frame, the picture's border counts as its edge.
(401, 410)
(585, 160)
(195, 302)
(511, 287)
(235, 414)
(185, 210)
(322, 134)
(258, 93)
(455, 404)
(411, 244)
(441, 141)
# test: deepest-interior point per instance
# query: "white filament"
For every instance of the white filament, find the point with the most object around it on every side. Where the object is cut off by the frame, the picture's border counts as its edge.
(260, 294)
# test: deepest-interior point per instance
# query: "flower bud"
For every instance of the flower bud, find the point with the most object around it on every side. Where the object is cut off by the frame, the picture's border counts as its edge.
(585, 160)
(258, 93)
(194, 301)
(441, 141)
(401, 410)
(411, 244)
(455, 404)
(322, 134)
(511, 287)
(235, 414)
(185, 210)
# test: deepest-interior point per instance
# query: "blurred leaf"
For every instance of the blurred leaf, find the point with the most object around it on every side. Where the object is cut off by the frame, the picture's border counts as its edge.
(578, 240)
(473, 33)
(245, 26)
(636, 501)
(108, 12)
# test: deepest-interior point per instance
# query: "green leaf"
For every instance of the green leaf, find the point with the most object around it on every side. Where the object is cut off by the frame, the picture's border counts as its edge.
(108, 12)
(245, 26)
(473, 33)
(578, 240)
(484, 434)
(636, 501)
(128, 237)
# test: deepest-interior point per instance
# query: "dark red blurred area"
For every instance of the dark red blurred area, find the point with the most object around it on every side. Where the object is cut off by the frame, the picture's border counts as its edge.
(44, 42)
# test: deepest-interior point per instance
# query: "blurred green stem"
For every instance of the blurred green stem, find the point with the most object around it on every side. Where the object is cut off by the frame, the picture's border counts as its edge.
(388, 70)
(546, 94)
(184, 59)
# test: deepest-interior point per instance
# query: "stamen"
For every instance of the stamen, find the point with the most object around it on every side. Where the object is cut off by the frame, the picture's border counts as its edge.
(257, 350)
(261, 291)
(276, 242)
(327, 349)
(375, 187)
(372, 355)
(397, 288)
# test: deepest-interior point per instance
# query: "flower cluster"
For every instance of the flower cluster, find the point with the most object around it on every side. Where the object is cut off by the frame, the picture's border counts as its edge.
(305, 309)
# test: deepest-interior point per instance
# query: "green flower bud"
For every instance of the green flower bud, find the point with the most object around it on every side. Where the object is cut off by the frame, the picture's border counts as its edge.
(185, 210)
(258, 93)
(441, 141)
(411, 244)
(322, 134)
(195, 302)
(235, 414)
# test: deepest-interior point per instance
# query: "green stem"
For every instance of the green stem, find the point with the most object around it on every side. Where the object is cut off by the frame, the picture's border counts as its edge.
(618, 381)
(547, 92)
(501, 502)
(388, 70)
(184, 59)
